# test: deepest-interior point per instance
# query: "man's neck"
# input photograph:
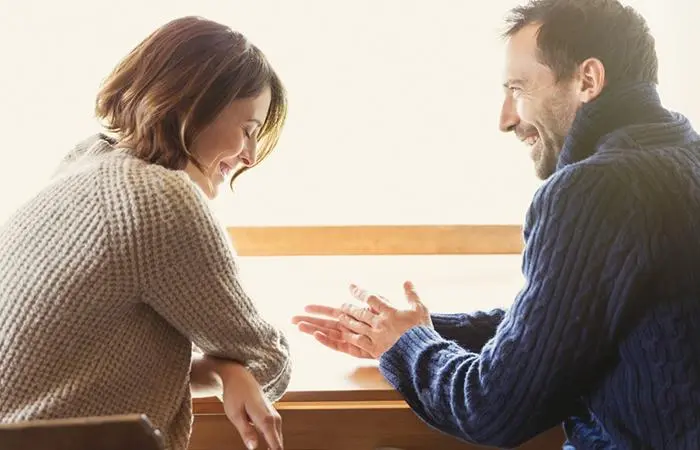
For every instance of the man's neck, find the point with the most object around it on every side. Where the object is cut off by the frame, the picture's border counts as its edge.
(617, 107)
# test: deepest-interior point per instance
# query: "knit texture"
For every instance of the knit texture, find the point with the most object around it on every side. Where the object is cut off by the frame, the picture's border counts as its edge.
(109, 275)
(470, 331)
(605, 334)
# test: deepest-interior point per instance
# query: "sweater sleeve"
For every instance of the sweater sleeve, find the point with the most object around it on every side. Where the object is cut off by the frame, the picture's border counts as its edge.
(469, 331)
(189, 276)
(582, 267)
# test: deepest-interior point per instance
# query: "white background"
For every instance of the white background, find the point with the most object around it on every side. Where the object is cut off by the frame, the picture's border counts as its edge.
(394, 103)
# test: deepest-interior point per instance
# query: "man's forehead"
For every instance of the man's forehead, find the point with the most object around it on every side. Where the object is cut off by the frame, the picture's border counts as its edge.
(522, 60)
(524, 40)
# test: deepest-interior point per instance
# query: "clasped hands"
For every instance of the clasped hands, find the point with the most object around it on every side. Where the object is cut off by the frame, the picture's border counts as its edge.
(364, 332)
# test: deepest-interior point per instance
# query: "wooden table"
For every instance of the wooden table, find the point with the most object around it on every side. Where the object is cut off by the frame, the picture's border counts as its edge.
(337, 402)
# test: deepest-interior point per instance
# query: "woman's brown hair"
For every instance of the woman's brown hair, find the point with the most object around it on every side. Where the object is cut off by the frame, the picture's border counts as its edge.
(177, 81)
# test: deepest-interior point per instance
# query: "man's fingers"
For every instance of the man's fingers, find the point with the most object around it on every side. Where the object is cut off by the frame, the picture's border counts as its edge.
(333, 344)
(269, 423)
(355, 351)
(411, 295)
(354, 325)
(241, 422)
(359, 293)
(375, 302)
(362, 342)
(378, 304)
(341, 346)
(361, 353)
(318, 321)
(363, 315)
(322, 310)
(310, 328)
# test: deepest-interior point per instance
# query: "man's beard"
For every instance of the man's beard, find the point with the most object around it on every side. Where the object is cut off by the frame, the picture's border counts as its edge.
(546, 156)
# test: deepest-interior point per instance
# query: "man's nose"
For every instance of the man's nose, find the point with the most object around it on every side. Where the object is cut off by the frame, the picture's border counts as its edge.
(509, 117)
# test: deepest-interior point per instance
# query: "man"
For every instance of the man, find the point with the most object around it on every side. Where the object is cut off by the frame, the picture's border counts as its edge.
(605, 334)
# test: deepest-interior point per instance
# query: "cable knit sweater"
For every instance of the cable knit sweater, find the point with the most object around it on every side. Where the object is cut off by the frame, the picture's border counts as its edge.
(108, 277)
(605, 334)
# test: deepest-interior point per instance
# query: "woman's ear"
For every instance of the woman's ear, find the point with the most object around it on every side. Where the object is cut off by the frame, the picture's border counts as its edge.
(592, 76)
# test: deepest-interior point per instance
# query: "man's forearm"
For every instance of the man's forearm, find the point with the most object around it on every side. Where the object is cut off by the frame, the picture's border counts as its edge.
(469, 331)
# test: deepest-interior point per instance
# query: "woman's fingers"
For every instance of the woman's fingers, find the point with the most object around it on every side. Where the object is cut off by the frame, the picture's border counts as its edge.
(243, 425)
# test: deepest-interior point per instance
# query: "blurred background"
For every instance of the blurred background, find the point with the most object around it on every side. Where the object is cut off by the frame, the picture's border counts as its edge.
(394, 104)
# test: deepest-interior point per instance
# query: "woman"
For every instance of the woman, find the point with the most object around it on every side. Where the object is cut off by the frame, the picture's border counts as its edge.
(117, 268)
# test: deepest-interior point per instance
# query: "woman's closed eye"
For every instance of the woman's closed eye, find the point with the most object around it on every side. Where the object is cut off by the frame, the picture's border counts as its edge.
(251, 133)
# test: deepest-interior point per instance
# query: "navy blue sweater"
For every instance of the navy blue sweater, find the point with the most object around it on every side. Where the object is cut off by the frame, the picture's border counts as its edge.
(604, 336)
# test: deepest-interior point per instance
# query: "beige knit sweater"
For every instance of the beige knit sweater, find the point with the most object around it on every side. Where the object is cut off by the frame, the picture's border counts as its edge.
(107, 278)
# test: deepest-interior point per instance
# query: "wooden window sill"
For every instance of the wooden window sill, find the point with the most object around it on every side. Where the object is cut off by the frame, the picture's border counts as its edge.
(336, 402)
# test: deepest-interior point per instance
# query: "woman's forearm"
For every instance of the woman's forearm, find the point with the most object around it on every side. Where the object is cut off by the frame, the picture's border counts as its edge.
(206, 375)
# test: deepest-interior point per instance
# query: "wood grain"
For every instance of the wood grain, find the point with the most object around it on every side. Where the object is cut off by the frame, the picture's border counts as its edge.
(378, 240)
(349, 429)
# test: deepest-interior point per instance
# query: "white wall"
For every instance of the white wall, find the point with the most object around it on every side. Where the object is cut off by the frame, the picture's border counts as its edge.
(394, 103)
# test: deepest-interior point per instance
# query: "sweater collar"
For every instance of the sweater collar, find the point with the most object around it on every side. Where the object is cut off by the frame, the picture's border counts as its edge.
(636, 108)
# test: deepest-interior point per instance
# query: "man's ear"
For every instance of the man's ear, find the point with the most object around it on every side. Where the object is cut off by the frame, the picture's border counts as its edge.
(592, 77)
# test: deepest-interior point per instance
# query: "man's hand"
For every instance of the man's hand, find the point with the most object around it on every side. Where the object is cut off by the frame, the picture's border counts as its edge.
(364, 332)
(248, 409)
(328, 332)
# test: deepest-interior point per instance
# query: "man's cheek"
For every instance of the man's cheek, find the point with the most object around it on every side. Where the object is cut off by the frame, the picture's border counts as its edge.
(524, 108)
(527, 111)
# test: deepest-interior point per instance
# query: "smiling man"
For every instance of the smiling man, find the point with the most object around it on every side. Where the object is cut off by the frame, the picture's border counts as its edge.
(604, 336)
(541, 101)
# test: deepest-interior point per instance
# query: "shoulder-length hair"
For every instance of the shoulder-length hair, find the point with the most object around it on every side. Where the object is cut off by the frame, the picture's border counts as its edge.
(170, 87)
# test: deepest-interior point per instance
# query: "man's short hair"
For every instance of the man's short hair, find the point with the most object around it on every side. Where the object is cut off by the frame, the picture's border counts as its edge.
(572, 31)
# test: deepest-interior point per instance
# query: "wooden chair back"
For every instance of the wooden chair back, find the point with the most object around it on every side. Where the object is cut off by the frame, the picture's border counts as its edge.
(128, 432)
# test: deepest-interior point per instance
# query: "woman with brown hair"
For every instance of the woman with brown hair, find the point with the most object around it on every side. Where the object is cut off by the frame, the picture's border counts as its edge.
(117, 269)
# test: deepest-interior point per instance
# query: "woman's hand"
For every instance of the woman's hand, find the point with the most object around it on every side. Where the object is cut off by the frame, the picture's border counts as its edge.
(248, 409)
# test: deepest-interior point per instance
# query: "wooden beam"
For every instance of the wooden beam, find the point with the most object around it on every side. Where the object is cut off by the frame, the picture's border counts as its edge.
(377, 240)
(351, 429)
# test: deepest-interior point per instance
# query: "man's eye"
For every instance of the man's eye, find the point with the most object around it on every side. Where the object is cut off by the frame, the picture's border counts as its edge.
(515, 91)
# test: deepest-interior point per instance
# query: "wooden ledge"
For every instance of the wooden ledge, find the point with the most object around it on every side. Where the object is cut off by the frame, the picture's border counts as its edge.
(214, 406)
(378, 240)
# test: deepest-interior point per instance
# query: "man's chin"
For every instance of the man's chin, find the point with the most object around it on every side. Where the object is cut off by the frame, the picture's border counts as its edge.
(542, 175)
(544, 168)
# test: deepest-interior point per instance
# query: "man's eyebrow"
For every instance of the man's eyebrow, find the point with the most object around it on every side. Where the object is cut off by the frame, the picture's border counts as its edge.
(513, 81)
